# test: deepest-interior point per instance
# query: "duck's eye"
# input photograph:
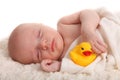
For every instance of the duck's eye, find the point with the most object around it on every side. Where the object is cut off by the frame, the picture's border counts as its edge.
(82, 48)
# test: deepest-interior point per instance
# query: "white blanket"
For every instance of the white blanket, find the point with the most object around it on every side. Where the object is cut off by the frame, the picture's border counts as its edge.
(106, 67)
(109, 29)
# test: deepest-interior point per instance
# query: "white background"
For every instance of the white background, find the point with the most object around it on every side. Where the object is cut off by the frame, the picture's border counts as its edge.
(15, 12)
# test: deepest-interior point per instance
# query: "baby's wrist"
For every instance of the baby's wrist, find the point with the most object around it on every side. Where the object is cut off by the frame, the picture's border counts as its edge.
(87, 30)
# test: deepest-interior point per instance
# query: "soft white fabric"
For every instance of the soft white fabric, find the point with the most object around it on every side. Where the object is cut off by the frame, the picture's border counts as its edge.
(110, 28)
(110, 31)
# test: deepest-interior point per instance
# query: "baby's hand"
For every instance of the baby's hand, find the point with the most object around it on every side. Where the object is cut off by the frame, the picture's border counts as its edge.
(50, 65)
(98, 46)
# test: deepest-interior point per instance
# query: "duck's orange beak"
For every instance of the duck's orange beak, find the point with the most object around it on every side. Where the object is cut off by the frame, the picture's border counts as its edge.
(87, 53)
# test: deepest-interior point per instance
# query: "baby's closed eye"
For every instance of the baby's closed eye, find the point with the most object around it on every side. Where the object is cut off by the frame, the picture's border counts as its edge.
(38, 35)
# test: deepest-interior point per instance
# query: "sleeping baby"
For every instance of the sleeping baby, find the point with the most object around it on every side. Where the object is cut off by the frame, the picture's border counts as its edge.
(38, 43)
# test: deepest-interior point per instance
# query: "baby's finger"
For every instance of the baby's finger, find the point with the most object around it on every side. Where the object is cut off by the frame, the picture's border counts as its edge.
(95, 49)
(102, 43)
(101, 48)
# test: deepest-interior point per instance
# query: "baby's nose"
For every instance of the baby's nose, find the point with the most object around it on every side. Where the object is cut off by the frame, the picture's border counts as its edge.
(43, 44)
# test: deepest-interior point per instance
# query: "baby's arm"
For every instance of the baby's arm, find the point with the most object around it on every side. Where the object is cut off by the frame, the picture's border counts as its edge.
(49, 65)
(88, 21)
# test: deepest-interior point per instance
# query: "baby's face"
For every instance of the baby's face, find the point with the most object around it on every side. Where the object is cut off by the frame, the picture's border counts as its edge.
(35, 42)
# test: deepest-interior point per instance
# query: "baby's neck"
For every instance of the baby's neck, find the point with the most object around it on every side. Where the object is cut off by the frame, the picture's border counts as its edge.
(66, 47)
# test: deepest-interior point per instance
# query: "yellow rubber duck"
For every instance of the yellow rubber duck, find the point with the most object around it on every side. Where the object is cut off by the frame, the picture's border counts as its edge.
(82, 54)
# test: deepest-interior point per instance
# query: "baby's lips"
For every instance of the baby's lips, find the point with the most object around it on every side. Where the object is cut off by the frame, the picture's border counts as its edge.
(87, 53)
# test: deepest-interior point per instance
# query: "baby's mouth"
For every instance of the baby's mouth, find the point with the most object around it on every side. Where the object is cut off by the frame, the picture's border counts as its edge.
(52, 45)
